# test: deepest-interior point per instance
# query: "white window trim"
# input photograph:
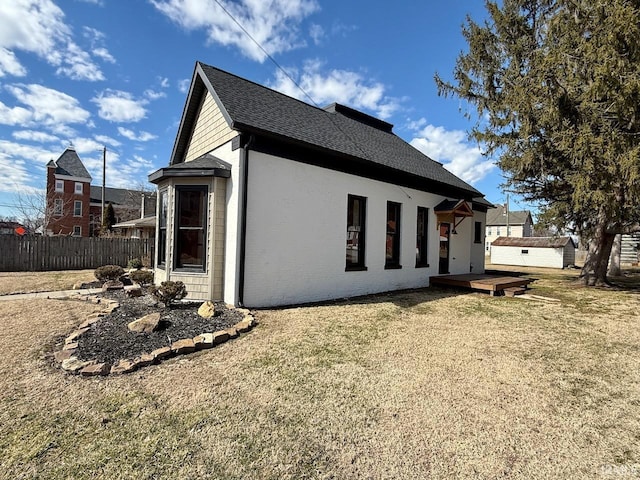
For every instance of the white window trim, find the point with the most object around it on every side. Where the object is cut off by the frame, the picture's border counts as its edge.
(80, 190)
(75, 203)
(79, 234)
(61, 188)
(56, 202)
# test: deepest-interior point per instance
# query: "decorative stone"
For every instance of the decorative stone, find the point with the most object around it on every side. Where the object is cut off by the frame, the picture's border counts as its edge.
(112, 285)
(232, 331)
(75, 335)
(147, 324)
(249, 318)
(133, 290)
(123, 366)
(243, 311)
(79, 285)
(97, 369)
(204, 340)
(220, 337)
(74, 364)
(144, 360)
(63, 355)
(70, 346)
(207, 309)
(88, 322)
(162, 353)
(183, 346)
(243, 326)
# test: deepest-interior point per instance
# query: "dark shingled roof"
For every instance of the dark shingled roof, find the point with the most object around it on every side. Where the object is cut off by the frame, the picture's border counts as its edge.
(497, 217)
(540, 242)
(250, 107)
(123, 196)
(204, 166)
(70, 164)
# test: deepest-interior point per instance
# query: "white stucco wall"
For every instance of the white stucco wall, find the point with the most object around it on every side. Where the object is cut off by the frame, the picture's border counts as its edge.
(296, 234)
(537, 257)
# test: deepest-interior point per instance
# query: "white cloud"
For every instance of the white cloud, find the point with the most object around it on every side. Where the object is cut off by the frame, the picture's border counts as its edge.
(104, 54)
(164, 82)
(119, 106)
(38, 27)
(273, 24)
(153, 95)
(183, 85)
(140, 137)
(22, 165)
(86, 145)
(454, 151)
(45, 107)
(106, 140)
(341, 86)
(10, 65)
(35, 136)
(317, 33)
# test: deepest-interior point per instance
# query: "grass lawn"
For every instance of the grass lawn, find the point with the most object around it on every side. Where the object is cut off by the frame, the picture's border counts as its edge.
(423, 384)
(29, 282)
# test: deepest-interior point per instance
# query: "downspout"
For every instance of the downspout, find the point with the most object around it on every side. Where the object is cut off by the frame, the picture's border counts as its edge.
(243, 219)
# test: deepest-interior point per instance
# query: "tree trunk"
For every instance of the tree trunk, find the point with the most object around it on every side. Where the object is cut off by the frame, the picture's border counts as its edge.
(616, 250)
(594, 271)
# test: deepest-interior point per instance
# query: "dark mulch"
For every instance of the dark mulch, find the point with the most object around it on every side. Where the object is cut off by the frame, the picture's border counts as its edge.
(109, 339)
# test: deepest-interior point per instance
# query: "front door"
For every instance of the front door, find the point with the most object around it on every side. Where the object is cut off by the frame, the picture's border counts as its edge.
(445, 229)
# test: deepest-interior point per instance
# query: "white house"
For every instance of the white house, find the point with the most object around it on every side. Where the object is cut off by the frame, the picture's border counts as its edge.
(555, 252)
(502, 222)
(270, 201)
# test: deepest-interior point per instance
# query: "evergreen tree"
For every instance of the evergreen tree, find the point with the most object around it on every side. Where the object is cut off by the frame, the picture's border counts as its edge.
(556, 88)
(109, 219)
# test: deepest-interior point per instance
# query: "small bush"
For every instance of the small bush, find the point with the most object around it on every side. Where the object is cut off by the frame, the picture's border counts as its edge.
(109, 272)
(143, 277)
(135, 263)
(169, 292)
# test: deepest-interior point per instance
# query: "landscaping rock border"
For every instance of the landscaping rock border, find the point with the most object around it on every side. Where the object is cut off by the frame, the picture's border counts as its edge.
(70, 363)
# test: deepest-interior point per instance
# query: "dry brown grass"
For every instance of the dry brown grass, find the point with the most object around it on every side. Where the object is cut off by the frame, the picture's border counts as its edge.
(426, 384)
(28, 282)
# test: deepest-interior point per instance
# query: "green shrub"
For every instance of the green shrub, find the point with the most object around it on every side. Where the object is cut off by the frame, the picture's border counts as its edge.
(143, 277)
(109, 272)
(169, 292)
(135, 263)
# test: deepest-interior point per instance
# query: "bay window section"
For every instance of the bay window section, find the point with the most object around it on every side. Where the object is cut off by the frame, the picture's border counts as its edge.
(162, 227)
(191, 220)
(356, 219)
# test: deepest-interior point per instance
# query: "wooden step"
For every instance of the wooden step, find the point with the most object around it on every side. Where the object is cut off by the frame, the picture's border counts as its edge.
(513, 291)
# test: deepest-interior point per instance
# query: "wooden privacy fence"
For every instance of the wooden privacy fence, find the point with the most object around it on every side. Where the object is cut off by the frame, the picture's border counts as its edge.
(36, 254)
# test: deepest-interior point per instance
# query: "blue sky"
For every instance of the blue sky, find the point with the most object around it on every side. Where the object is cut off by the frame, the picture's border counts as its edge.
(113, 73)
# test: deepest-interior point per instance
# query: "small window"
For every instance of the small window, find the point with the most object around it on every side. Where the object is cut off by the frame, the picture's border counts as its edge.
(356, 221)
(488, 231)
(191, 221)
(59, 185)
(477, 234)
(57, 207)
(524, 252)
(78, 188)
(508, 231)
(77, 208)
(421, 237)
(392, 257)
(498, 231)
(77, 231)
(487, 246)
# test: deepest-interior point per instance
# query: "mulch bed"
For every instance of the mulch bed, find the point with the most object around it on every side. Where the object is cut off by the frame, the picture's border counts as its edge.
(109, 339)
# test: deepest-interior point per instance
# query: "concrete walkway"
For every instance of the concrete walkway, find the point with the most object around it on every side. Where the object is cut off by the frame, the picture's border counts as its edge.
(56, 294)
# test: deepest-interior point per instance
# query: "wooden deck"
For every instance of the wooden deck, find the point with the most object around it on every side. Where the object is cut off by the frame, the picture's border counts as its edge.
(494, 284)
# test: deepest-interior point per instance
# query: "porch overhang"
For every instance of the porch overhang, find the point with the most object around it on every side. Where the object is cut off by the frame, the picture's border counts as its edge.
(452, 211)
(205, 166)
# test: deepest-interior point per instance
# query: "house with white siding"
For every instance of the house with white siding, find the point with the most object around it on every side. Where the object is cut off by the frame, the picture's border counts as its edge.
(554, 252)
(269, 201)
(502, 222)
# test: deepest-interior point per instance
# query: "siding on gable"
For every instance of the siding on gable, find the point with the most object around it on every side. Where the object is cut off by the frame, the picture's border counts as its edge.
(210, 130)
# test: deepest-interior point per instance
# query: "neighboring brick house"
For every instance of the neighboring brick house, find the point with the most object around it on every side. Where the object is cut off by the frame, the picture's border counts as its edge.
(68, 194)
(517, 223)
(74, 206)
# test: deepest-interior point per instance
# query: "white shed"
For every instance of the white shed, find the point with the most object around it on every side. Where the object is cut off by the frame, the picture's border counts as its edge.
(554, 252)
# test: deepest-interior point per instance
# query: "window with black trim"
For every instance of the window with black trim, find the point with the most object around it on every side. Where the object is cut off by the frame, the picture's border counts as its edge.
(524, 252)
(162, 227)
(421, 237)
(191, 220)
(392, 256)
(356, 220)
(477, 233)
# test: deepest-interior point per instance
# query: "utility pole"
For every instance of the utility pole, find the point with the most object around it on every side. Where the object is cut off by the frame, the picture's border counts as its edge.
(508, 215)
(104, 170)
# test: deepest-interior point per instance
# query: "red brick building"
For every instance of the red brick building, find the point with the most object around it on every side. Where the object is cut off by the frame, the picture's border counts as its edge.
(68, 196)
